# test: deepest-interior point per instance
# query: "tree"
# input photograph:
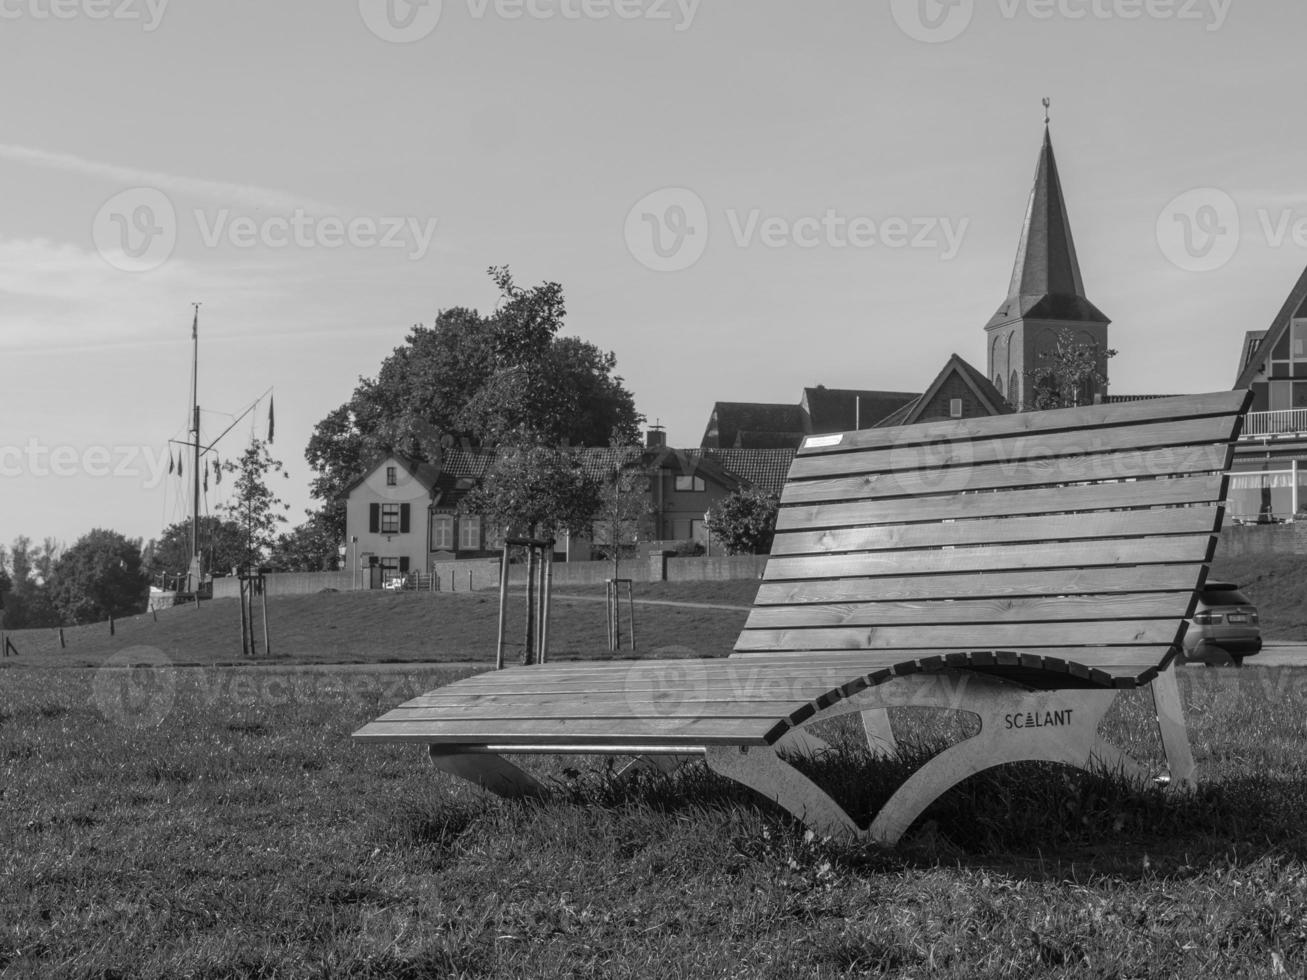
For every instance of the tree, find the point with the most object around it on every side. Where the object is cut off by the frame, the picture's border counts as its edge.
(506, 378)
(98, 577)
(1069, 374)
(624, 510)
(28, 604)
(744, 521)
(253, 506)
(535, 490)
(222, 548)
(313, 546)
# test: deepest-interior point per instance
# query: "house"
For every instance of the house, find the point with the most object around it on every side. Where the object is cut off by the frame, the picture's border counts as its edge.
(821, 410)
(405, 515)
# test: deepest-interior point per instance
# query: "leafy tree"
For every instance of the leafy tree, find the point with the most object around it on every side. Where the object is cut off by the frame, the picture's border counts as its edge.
(744, 521)
(102, 575)
(28, 604)
(1068, 375)
(222, 547)
(253, 506)
(313, 546)
(535, 490)
(488, 380)
(624, 510)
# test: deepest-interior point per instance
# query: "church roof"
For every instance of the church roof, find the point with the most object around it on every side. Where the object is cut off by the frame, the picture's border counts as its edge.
(846, 409)
(1046, 282)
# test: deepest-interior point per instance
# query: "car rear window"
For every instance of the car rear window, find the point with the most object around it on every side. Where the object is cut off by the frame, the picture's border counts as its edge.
(1225, 597)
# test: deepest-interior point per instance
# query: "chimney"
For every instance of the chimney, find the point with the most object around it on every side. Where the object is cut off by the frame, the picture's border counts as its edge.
(657, 437)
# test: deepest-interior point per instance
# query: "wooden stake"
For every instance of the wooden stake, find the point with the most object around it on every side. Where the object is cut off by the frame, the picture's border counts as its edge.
(503, 609)
(528, 651)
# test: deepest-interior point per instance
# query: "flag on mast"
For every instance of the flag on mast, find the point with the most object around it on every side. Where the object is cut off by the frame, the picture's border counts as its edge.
(172, 464)
(272, 420)
(206, 476)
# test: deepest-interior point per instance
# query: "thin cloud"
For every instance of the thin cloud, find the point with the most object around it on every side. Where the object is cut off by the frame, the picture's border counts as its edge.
(248, 195)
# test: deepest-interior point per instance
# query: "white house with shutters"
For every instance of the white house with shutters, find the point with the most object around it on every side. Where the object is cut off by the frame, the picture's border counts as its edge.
(388, 517)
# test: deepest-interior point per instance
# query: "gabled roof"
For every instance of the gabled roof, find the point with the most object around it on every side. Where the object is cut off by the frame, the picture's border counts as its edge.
(1293, 306)
(1046, 282)
(1253, 342)
(765, 470)
(754, 425)
(989, 397)
(846, 409)
(427, 474)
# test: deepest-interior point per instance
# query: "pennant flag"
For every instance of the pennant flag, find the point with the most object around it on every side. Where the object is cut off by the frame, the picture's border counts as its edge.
(180, 471)
(217, 473)
(172, 464)
(195, 324)
(206, 476)
(272, 420)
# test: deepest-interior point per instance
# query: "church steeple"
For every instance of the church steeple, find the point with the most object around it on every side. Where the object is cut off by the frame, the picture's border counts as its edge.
(1046, 281)
(1046, 293)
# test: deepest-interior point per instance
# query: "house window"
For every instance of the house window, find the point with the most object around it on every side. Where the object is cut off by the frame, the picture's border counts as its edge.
(389, 569)
(390, 519)
(442, 532)
(392, 476)
(469, 534)
(955, 408)
(690, 484)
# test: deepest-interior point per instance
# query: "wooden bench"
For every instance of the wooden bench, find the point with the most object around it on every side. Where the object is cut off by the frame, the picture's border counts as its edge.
(1024, 568)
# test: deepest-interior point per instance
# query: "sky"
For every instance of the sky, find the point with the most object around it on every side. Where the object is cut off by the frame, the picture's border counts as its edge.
(740, 198)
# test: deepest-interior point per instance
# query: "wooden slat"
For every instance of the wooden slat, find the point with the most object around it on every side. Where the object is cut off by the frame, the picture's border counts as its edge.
(534, 709)
(1093, 468)
(688, 731)
(1010, 450)
(1071, 580)
(1062, 500)
(1226, 403)
(1060, 527)
(1015, 557)
(1027, 609)
(966, 637)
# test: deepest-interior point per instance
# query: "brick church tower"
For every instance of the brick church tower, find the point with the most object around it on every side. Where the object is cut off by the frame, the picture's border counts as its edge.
(1046, 294)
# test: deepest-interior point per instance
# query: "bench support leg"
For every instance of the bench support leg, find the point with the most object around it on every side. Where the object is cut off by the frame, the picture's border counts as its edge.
(491, 772)
(1015, 726)
(761, 769)
(1175, 736)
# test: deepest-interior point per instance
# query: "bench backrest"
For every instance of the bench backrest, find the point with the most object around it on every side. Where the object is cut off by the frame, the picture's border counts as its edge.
(1079, 536)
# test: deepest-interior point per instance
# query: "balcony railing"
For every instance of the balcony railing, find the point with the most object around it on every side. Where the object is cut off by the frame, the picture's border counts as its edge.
(1261, 424)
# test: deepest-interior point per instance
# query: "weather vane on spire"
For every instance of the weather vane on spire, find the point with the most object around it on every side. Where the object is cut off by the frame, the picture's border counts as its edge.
(1047, 106)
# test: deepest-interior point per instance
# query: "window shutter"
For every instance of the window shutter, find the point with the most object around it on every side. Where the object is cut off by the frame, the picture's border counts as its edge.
(403, 562)
(374, 518)
(405, 517)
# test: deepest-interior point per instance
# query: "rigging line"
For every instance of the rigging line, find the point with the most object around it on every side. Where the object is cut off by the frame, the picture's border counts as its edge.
(258, 401)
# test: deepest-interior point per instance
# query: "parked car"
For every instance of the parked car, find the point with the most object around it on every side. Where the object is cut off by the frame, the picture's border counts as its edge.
(1225, 627)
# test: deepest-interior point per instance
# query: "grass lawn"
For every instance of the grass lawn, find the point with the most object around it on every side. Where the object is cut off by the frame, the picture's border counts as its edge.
(219, 823)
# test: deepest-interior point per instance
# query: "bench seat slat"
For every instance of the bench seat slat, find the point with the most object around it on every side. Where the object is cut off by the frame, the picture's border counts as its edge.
(896, 457)
(1006, 584)
(1069, 421)
(1027, 609)
(574, 731)
(1012, 503)
(980, 636)
(1061, 527)
(998, 557)
(1083, 469)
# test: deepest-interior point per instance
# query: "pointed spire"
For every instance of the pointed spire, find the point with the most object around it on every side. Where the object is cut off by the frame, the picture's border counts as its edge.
(1046, 282)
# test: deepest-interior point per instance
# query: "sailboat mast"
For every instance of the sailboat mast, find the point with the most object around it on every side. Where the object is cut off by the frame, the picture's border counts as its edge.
(195, 443)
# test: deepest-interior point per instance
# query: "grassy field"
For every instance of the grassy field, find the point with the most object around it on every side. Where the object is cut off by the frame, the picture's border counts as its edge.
(219, 823)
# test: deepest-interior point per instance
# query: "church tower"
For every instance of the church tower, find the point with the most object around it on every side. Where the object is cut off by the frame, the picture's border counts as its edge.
(1047, 294)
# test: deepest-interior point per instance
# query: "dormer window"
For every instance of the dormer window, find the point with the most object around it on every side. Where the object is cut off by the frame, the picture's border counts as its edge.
(392, 476)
